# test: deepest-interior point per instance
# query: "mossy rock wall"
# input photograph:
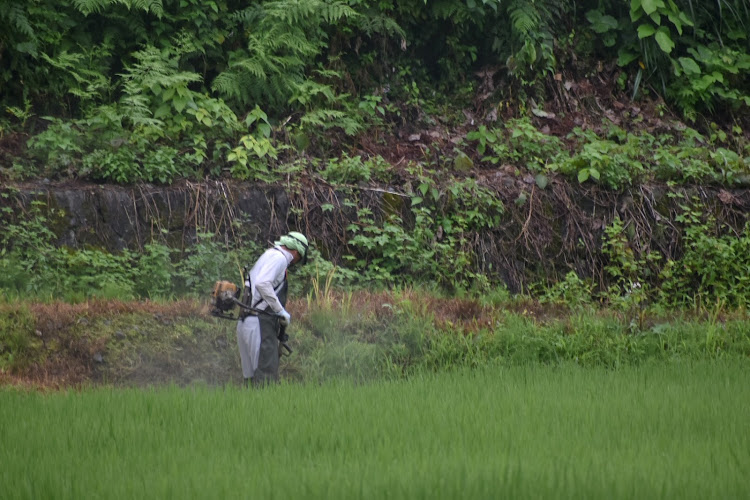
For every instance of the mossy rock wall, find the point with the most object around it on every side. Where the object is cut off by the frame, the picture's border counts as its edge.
(543, 233)
(114, 218)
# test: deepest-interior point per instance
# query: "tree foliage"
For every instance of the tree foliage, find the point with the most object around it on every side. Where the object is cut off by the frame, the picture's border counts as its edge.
(185, 74)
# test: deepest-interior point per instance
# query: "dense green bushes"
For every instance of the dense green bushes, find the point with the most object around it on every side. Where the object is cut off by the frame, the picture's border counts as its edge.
(127, 91)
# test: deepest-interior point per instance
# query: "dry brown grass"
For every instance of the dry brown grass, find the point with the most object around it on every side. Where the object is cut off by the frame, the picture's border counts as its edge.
(66, 356)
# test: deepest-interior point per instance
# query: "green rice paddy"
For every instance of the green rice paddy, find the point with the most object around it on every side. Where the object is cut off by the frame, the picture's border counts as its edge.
(667, 430)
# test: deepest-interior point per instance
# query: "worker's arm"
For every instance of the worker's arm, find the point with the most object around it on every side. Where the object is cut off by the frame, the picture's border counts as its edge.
(266, 275)
(266, 291)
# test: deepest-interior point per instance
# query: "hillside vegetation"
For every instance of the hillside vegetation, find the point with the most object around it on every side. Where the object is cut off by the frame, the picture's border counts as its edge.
(579, 151)
(157, 90)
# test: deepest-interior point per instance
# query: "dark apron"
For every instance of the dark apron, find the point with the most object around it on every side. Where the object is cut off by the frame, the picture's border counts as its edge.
(268, 357)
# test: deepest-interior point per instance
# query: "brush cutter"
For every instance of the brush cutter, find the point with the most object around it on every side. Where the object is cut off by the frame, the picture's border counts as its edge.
(226, 296)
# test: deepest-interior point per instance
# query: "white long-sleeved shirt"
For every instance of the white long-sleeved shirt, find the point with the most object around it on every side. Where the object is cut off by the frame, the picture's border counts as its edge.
(267, 276)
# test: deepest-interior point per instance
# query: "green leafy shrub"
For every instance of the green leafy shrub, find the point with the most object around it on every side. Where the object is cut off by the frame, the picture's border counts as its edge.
(351, 170)
(154, 272)
(614, 164)
(713, 270)
(210, 260)
(519, 141)
(572, 292)
(436, 245)
(695, 55)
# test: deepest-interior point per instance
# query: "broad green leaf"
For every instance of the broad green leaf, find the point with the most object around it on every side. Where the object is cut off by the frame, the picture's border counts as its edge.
(645, 30)
(676, 21)
(656, 18)
(264, 129)
(416, 200)
(685, 19)
(541, 181)
(625, 57)
(690, 66)
(162, 111)
(664, 40)
(27, 48)
(601, 23)
(179, 103)
(635, 10)
(583, 175)
(594, 173)
(649, 6)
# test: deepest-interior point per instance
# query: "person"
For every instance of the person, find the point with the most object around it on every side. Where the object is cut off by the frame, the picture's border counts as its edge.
(266, 293)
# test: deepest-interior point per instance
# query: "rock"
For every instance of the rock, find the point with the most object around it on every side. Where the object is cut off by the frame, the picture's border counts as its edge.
(98, 358)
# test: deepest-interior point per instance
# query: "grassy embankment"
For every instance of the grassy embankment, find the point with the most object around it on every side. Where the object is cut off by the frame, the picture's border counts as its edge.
(658, 430)
(359, 336)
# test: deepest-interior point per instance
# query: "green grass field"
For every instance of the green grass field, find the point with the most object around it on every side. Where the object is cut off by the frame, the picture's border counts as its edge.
(666, 430)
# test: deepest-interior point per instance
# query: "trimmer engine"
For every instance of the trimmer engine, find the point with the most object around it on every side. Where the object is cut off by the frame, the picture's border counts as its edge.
(224, 298)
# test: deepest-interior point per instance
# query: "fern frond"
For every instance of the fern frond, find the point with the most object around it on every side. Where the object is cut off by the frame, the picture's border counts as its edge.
(87, 7)
(308, 90)
(227, 84)
(138, 111)
(252, 66)
(249, 15)
(329, 118)
(154, 71)
(293, 11)
(153, 6)
(14, 15)
(524, 16)
(380, 24)
(334, 12)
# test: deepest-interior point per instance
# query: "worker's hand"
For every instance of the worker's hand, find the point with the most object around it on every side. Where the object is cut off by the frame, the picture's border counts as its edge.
(284, 317)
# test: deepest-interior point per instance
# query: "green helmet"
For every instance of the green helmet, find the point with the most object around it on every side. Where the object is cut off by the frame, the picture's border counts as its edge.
(295, 241)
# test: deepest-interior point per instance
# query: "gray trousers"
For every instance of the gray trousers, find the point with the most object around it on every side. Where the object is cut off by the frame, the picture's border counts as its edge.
(268, 357)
